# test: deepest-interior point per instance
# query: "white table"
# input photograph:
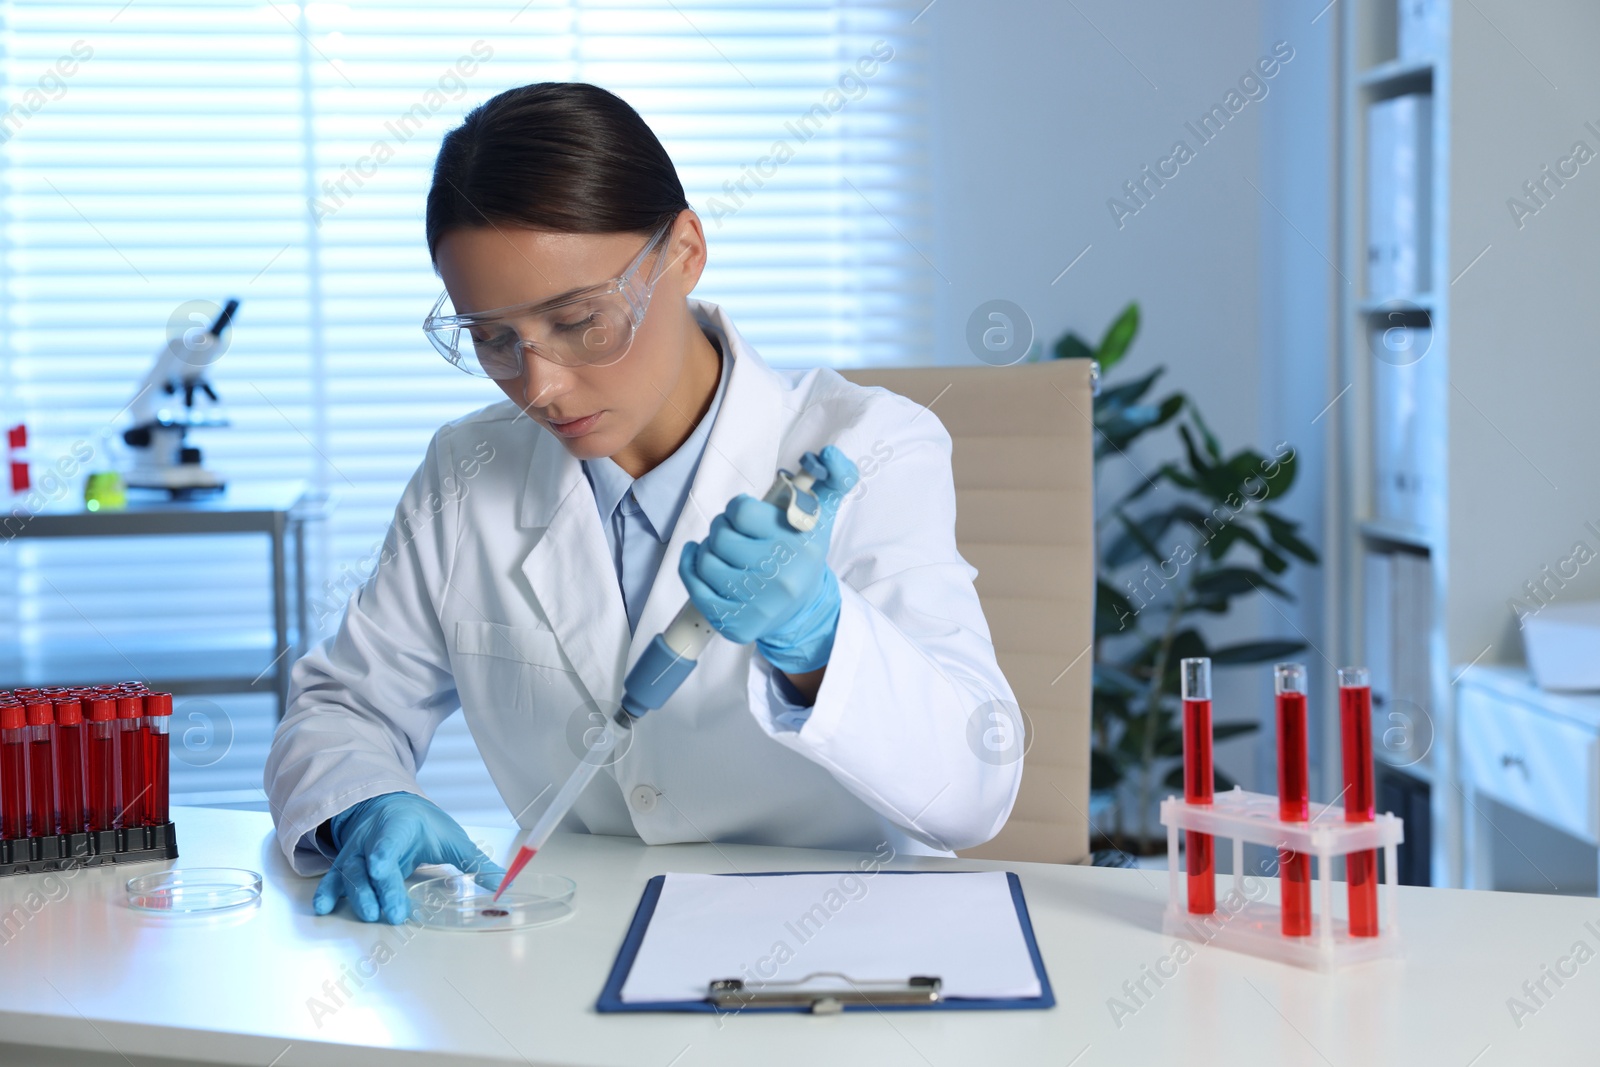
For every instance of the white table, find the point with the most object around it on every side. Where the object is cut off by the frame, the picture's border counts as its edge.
(84, 973)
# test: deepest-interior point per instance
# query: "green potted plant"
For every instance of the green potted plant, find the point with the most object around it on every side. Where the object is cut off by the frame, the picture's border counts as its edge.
(1192, 534)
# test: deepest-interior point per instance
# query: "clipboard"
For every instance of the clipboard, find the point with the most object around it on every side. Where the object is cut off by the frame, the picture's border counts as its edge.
(914, 993)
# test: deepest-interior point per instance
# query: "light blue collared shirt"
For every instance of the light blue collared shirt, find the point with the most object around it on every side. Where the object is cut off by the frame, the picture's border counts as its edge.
(638, 514)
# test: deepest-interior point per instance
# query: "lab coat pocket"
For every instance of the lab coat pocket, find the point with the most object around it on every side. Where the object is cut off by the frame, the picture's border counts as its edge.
(522, 644)
(502, 669)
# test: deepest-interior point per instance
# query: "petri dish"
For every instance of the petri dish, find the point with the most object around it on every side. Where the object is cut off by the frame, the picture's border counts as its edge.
(456, 902)
(194, 890)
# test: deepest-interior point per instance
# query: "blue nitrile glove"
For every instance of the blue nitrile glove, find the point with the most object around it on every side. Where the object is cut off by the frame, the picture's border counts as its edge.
(381, 841)
(755, 578)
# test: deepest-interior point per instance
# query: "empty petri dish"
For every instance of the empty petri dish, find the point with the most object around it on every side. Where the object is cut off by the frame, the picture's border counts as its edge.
(456, 902)
(194, 890)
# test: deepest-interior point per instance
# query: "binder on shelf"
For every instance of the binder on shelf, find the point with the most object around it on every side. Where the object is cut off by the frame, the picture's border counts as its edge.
(1408, 735)
(1379, 615)
(1405, 412)
(829, 941)
(1399, 140)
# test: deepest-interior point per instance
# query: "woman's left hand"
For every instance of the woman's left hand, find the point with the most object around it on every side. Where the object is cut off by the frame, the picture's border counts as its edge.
(756, 578)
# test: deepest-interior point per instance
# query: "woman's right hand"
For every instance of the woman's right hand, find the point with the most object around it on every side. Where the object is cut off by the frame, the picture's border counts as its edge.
(381, 841)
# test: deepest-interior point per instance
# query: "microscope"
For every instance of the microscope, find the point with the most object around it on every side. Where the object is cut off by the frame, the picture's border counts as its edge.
(174, 398)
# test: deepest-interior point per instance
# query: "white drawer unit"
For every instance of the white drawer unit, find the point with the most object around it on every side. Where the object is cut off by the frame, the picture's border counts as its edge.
(1542, 764)
(1528, 773)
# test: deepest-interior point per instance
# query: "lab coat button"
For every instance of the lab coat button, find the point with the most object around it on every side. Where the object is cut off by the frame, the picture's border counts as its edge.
(643, 798)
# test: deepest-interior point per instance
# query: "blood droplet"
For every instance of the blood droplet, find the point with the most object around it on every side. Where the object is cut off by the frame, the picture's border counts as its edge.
(494, 913)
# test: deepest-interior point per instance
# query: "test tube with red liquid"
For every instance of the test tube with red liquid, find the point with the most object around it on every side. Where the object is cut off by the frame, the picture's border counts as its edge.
(1294, 796)
(42, 812)
(71, 795)
(13, 771)
(1355, 723)
(100, 762)
(1198, 779)
(16, 442)
(133, 748)
(157, 724)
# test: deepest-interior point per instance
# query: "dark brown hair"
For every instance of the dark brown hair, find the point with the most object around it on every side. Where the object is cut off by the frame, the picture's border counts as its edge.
(563, 156)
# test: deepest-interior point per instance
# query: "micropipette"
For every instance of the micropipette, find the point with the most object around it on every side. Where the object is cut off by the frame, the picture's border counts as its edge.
(663, 666)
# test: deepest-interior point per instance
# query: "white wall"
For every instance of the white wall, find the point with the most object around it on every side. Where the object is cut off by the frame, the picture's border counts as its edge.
(1299, 292)
(1524, 318)
(1041, 112)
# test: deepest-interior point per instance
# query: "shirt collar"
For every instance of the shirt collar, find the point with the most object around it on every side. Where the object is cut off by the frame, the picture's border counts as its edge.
(662, 490)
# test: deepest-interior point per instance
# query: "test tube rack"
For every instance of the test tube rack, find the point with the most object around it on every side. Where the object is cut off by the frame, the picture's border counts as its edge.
(1256, 926)
(115, 804)
(96, 848)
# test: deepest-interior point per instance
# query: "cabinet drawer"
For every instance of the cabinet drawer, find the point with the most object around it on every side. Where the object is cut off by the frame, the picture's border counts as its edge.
(1538, 764)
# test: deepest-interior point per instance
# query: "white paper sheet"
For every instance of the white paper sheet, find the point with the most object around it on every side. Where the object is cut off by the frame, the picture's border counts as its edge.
(959, 926)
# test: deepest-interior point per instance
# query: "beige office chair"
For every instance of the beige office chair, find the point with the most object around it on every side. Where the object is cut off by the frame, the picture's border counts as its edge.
(1024, 474)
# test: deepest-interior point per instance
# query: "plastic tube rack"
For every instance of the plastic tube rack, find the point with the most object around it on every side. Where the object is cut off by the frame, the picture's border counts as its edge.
(64, 852)
(84, 777)
(1255, 926)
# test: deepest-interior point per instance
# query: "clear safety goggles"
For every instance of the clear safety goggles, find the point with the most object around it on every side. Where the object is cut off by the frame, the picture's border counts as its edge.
(587, 328)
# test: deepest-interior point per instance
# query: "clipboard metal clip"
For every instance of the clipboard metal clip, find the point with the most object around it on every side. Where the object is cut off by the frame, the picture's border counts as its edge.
(828, 999)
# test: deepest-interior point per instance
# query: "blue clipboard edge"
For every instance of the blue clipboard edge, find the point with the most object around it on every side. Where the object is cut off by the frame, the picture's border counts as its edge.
(611, 995)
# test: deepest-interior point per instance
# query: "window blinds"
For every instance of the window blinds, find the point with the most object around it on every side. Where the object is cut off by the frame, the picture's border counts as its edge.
(159, 152)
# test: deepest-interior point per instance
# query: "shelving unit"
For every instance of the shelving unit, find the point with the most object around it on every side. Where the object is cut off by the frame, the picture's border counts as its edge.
(1508, 473)
(1389, 532)
(1397, 76)
(1411, 686)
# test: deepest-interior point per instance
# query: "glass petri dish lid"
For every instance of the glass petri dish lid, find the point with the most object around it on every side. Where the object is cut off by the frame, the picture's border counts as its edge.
(194, 890)
(457, 902)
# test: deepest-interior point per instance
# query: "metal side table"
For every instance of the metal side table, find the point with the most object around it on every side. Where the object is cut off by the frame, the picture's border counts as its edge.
(280, 510)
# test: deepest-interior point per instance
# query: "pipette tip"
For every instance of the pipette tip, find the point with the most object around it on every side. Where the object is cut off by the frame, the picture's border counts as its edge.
(517, 864)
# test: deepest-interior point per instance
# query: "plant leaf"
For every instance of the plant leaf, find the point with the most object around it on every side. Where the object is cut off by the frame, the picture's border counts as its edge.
(1254, 652)
(1177, 477)
(1201, 467)
(1113, 612)
(1071, 346)
(1125, 549)
(1284, 536)
(1153, 480)
(1188, 644)
(1109, 678)
(1213, 449)
(1118, 336)
(1221, 731)
(1235, 530)
(1239, 468)
(1279, 481)
(1137, 535)
(1122, 395)
(1169, 742)
(1126, 423)
(1104, 771)
(1220, 783)
(1224, 540)
(1227, 582)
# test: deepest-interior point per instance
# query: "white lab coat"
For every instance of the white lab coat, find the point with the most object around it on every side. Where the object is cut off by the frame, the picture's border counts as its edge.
(496, 593)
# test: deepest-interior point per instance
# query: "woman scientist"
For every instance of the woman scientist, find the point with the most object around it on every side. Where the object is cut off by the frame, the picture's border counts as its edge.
(546, 539)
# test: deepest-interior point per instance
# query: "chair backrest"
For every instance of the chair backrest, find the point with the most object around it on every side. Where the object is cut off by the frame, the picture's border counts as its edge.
(1024, 475)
